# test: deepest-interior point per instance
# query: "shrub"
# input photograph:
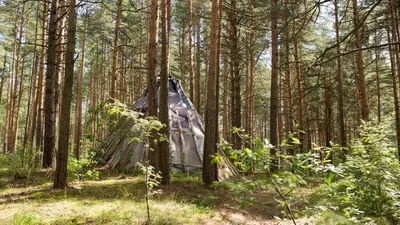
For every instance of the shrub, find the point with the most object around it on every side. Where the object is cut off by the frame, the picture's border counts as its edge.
(369, 191)
(82, 169)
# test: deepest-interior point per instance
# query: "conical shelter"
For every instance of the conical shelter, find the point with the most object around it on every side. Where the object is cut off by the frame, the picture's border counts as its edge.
(186, 137)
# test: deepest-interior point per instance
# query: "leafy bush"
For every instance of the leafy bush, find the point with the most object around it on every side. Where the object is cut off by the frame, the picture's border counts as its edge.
(17, 163)
(369, 191)
(82, 169)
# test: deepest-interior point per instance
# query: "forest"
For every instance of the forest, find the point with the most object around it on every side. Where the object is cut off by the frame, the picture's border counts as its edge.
(200, 112)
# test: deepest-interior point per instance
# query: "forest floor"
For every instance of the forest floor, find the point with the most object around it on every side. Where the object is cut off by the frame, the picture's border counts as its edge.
(120, 199)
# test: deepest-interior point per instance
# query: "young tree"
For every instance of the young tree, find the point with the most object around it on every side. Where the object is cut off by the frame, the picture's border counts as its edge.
(60, 176)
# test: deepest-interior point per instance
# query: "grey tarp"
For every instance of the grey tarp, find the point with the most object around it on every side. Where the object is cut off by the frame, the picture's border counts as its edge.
(186, 135)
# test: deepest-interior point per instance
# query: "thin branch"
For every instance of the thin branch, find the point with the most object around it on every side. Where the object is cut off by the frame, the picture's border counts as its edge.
(356, 50)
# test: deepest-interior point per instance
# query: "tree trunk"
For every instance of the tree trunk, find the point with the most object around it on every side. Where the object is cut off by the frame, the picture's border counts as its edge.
(378, 86)
(182, 54)
(141, 51)
(225, 112)
(115, 51)
(394, 57)
(210, 144)
(288, 91)
(235, 73)
(78, 112)
(198, 62)
(339, 79)
(39, 126)
(217, 67)
(20, 92)
(328, 110)
(60, 58)
(191, 73)
(251, 83)
(3, 75)
(12, 90)
(360, 67)
(151, 78)
(394, 84)
(396, 48)
(29, 136)
(274, 88)
(15, 113)
(163, 146)
(49, 106)
(299, 82)
(60, 176)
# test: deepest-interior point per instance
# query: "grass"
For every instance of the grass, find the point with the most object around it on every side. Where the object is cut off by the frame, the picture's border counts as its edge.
(116, 199)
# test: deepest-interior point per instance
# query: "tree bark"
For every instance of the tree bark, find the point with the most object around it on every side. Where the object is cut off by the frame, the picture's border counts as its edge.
(15, 113)
(49, 106)
(360, 67)
(60, 176)
(328, 110)
(191, 73)
(299, 81)
(198, 62)
(60, 58)
(12, 89)
(339, 79)
(378, 86)
(182, 55)
(141, 51)
(151, 78)
(235, 74)
(395, 97)
(78, 111)
(288, 91)
(163, 146)
(3, 75)
(210, 144)
(225, 112)
(39, 126)
(115, 50)
(274, 88)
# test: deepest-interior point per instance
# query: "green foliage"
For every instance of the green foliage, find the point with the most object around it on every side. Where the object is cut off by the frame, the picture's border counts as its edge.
(152, 177)
(255, 158)
(369, 191)
(26, 218)
(82, 169)
(17, 163)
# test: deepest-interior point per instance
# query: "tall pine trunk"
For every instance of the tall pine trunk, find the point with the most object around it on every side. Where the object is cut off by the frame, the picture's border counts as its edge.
(210, 144)
(163, 146)
(60, 176)
(115, 51)
(39, 126)
(49, 106)
(274, 87)
(339, 79)
(151, 77)
(78, 112)
(362, 94)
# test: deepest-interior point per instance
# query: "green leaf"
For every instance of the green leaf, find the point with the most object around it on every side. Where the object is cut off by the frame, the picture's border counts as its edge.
(330, 177)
